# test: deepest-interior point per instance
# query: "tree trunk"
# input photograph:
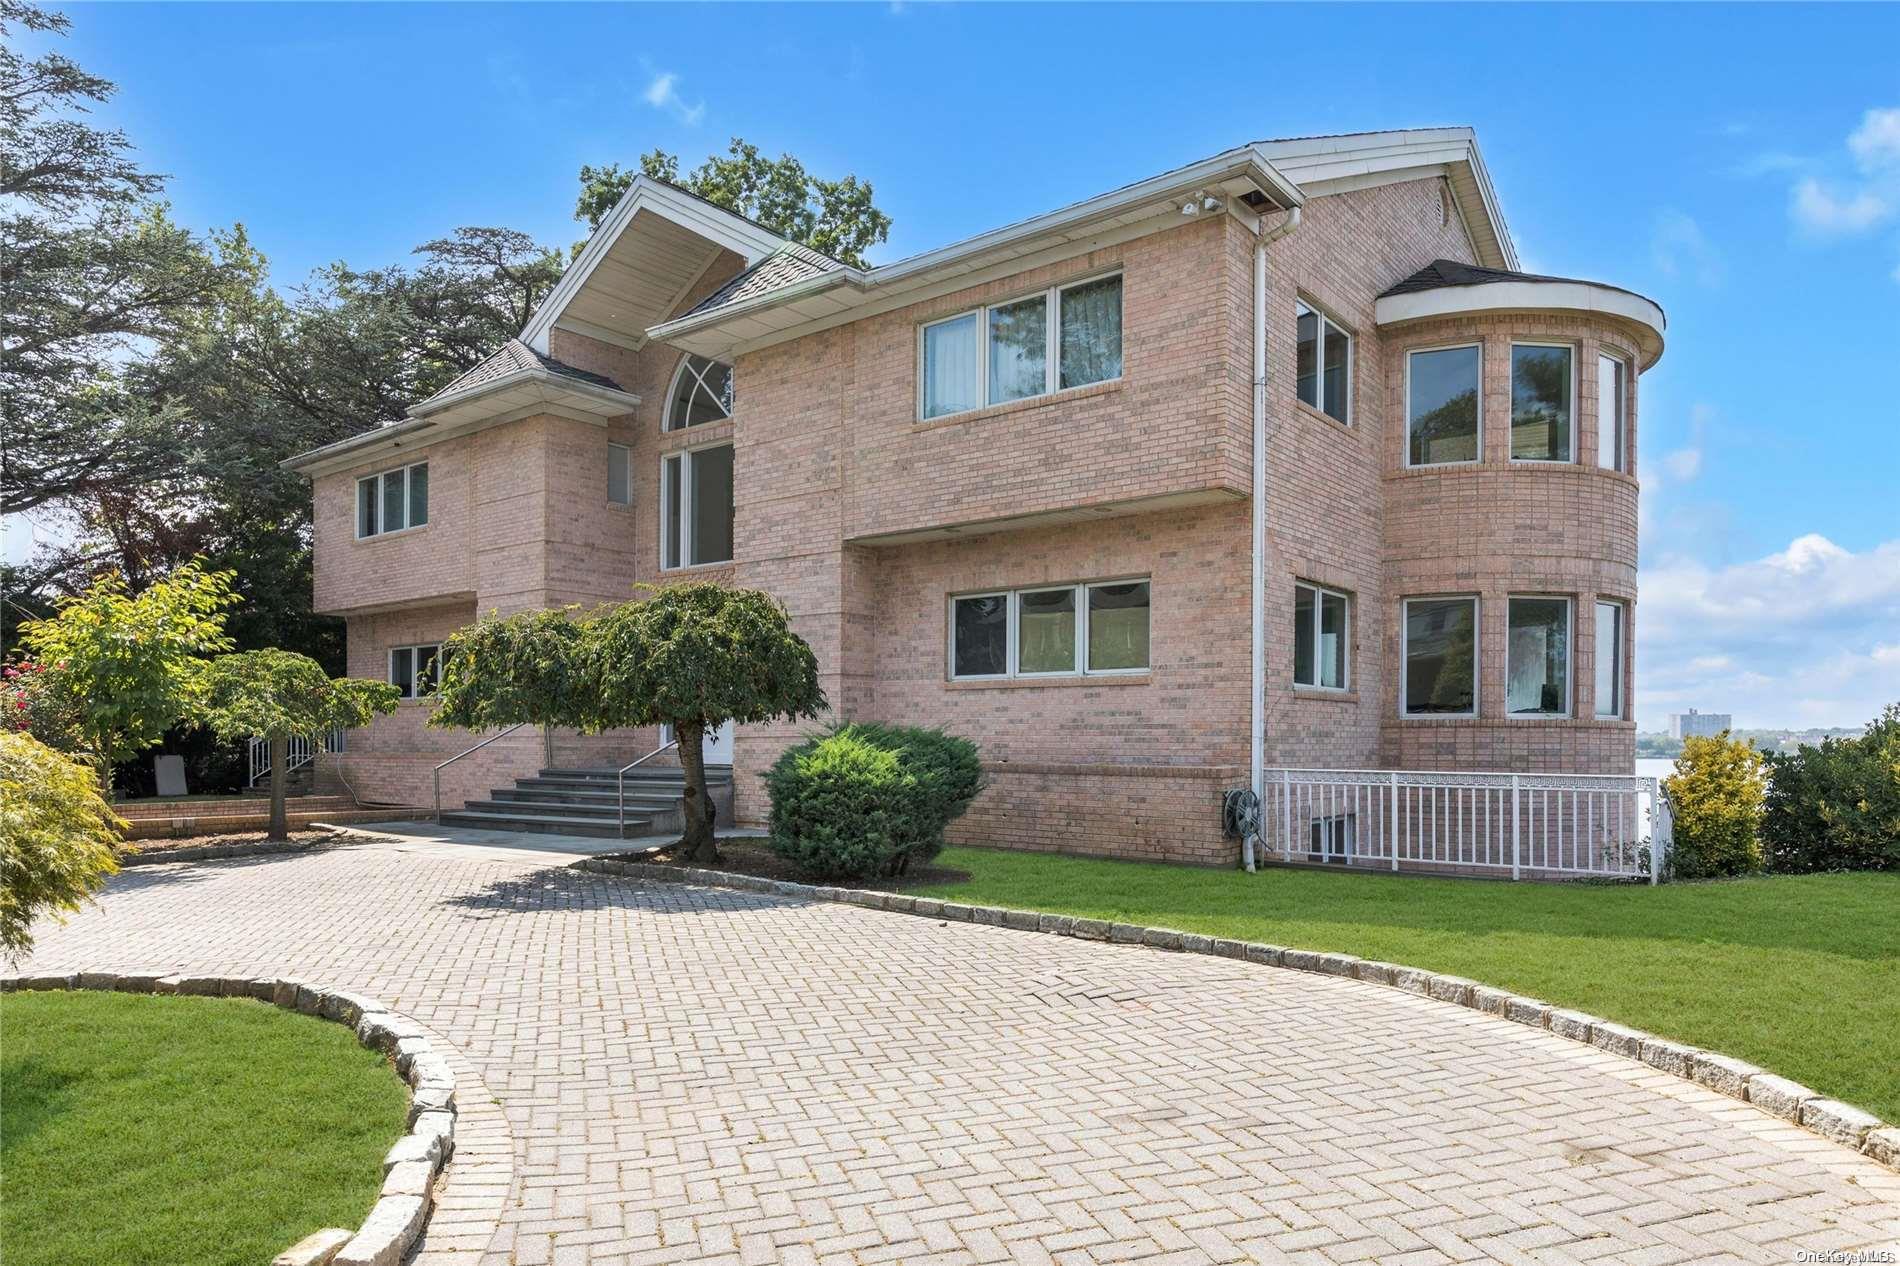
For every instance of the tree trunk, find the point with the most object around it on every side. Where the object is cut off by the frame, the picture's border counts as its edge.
(279, 784)
(699, 844)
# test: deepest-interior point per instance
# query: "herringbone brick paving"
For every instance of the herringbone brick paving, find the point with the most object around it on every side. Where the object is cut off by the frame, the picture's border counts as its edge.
(695, 1075)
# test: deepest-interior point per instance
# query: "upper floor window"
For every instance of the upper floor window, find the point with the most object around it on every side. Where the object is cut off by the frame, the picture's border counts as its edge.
(1324, 363)
(1612, 412)
(1542, 395)
(1443, 405)
(702, 392)
(620, 474)
(1065, 336)
(1063, 630)
(696, 507)
(393, 500)
(1441, 657)
(414, 670)
(1321, 638)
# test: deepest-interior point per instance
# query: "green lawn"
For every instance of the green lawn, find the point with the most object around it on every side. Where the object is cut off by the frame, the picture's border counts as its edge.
(182, 1131)
(1799, 974)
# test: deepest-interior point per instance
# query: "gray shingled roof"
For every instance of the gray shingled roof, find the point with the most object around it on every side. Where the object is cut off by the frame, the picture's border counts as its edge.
(1449, 272)
(793, 262)
(513, 357)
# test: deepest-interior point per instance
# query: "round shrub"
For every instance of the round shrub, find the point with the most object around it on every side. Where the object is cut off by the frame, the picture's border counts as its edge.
(949, 774)
(1837, 806)
(1715, 797)
(842, 808)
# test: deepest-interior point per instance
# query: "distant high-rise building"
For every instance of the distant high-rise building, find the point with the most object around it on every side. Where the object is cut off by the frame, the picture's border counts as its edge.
(1693, 724)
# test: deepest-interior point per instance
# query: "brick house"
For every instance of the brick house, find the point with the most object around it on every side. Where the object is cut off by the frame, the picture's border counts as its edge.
(1009, 487)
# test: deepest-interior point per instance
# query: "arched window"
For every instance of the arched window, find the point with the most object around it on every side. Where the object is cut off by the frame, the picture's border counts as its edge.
(702, 392)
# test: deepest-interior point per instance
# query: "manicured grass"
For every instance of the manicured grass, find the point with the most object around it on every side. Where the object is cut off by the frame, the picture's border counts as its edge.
(182, 1131)
(1799, 974)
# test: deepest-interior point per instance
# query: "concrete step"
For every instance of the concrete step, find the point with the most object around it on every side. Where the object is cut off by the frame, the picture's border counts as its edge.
(503, 819)
(604, 811)
(641, 773)
(652, 797)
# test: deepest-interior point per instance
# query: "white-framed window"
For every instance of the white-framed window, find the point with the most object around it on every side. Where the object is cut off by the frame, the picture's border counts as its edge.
(1066, 336)
(1322, 637)
(1091, 628)
(1612, 412)
(1440, 653)
(1537, 657)
(696, 506)
(414, 670)
(392, 501)
(1609, 660)
(1331, 839)
(620, 474)
(1323, 362)
(1444, 405)
(1543, 402)
(701, 393)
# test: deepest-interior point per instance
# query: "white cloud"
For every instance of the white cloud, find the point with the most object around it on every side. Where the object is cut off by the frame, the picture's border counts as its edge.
(1847, 208)
(1803, 636)
(663, 94)
(1875, 144)
(1682, 465)
(1826, 213)
(1679, 245)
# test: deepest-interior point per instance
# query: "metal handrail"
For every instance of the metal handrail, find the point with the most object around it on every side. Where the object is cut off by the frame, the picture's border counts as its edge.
(621, 778)
(459, 755)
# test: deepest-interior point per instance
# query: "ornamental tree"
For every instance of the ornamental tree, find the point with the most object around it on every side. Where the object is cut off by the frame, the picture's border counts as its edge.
(128, 666)
(695, 656)
(57, 837)
(511, 670)
(276, 695)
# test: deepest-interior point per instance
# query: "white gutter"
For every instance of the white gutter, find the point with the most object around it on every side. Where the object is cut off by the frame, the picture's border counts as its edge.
(1258, 739)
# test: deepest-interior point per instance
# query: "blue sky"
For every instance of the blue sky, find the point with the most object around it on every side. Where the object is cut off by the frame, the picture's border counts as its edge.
(1740, 165)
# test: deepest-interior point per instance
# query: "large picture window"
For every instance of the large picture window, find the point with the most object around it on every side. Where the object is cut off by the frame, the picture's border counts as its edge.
(1612, 407)
(702, 393)
(1092, 628)
(1441, 657)
(392, 501)
(1323, 363)
(1537, 669)
(413, 670)
(1321, 638)
(1443, 405)
(1609, 660)
(1542, 393)
(1066, 336)
(696, 507)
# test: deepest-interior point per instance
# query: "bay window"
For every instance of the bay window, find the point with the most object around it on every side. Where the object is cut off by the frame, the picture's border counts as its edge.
(1612, 406)
(1065, 336)
(1441, 657)
(413, 670)
(392, 501)
(1321, 638)
(1323, 363)
(1609, 660)
(696, 507)
(1537, 658)
(1443, 405)
(1090, 628)
(1542, 396)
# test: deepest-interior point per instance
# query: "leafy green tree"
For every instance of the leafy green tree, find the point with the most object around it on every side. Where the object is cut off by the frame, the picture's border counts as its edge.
(695, 656)
(279, 695)
(834, 217)
(57, 838)
(1836, 806)
(129, 666)
(1715, 798)
(522, 669)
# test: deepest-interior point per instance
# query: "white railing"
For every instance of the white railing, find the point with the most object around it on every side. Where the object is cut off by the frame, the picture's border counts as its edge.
(1550, 825)
(301, 750)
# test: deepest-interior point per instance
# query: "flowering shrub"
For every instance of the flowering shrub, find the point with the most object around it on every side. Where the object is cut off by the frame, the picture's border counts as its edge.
(29, 704)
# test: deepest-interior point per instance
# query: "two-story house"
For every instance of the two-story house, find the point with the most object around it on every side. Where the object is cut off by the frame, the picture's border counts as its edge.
(1271, 460)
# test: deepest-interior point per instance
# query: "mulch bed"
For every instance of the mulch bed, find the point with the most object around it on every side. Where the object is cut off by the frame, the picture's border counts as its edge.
(171, 843)
(755, 857)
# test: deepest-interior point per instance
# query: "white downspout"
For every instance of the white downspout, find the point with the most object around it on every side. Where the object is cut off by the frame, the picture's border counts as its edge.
(1258, 739)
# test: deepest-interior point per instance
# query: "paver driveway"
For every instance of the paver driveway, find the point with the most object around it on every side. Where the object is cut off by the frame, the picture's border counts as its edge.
(710, 1076)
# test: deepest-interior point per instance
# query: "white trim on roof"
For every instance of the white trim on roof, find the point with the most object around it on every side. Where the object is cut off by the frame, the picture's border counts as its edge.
(735, 233)
(1531, 296)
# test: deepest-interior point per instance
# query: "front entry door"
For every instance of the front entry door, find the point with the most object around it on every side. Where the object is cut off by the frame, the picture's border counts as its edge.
(716, 749)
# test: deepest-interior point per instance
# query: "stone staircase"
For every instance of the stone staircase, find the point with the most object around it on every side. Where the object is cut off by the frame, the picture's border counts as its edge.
(586, 802)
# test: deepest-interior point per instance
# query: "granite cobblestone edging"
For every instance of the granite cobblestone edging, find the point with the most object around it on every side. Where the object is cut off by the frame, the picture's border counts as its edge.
(412, 1165)
(1843, 1123)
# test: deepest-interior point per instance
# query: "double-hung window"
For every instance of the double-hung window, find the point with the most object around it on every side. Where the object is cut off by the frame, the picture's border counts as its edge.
(1065, 336)
(1609, 660)
(1093, 628)
(1543, 396)
(1443, 393)
(1612, 412)
(392, 501)
(1441, 657)
(696, 507)
(414, 670)
(1323, 363)
(1322, 640)
(1537, 667)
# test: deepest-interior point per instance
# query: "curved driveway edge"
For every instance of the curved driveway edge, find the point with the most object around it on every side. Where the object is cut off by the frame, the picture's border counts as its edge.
(1839, 1122)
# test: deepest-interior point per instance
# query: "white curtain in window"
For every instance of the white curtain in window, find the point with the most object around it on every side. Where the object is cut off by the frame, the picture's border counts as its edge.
(1019, 350)
(950, 366)
(1092, 332)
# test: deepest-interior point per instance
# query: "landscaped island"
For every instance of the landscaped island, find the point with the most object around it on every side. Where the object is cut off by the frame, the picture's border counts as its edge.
(183, 1131)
